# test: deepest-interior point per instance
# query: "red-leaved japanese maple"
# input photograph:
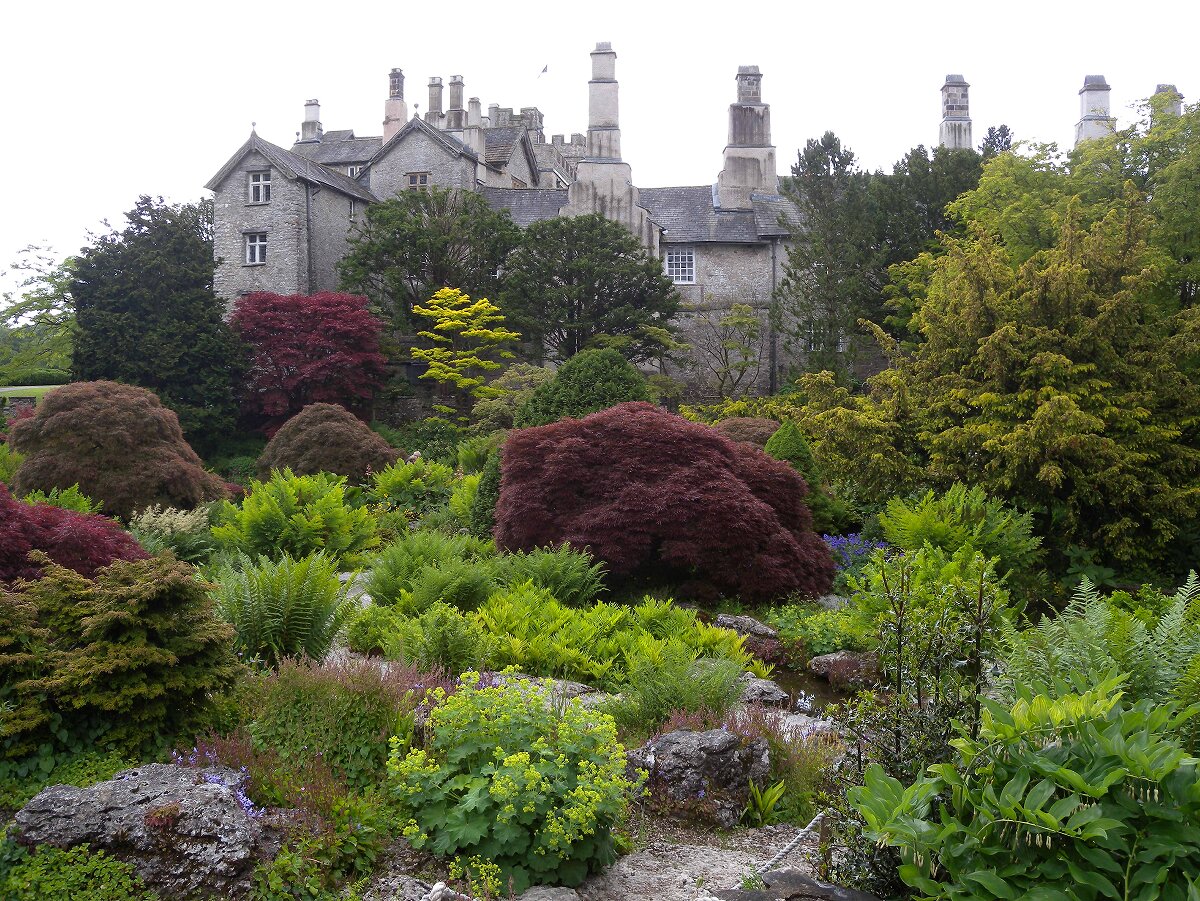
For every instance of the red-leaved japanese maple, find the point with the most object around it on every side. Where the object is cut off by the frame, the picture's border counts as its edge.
(78, 541)
(652, 494)
(307, 349)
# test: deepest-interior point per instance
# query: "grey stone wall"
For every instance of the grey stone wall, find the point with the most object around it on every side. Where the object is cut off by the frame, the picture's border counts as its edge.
(283, 221)
(331, 227)
(420, 153)
(726, 274)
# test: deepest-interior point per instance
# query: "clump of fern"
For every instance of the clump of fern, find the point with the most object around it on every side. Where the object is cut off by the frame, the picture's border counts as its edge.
(967, 517)
(571, 576)
(1157, 652)
(283, 608)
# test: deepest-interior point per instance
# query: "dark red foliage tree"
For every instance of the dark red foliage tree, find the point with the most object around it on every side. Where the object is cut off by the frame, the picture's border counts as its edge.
(78, 541)
(326, 438)
(307, 349)
(118, 443)
(652, 494)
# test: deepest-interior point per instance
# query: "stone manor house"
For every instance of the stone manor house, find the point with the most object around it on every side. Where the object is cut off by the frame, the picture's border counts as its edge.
(284, 217)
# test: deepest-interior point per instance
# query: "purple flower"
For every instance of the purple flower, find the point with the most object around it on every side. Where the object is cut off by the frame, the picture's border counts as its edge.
(849, 550)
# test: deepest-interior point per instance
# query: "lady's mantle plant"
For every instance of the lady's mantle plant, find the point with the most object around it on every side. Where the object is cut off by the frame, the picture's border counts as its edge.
(508, 777)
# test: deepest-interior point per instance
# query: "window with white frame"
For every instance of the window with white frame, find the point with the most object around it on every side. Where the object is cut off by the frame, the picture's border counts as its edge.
(418, 181)
(260, 187)
(256, 248)
(354, 171)
(681, 265)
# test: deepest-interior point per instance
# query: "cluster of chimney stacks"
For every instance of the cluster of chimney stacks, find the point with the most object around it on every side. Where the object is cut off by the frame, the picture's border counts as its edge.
(1095, 114)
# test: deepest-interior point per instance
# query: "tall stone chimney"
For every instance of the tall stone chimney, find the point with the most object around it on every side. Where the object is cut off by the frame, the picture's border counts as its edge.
(310, 129)
(604, 130)
(1094, 118)
(473, 133)
(456, 116)
(395, 110)
(603, 183)
(749, 154)
(433, 114)
(1167, 100)
(955, 130)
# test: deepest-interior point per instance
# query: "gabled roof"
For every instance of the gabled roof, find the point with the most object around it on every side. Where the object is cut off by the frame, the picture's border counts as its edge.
(526, 205)
(501, 142)
(338, 148)
(292, 165)
(691, 215)
(416, 123)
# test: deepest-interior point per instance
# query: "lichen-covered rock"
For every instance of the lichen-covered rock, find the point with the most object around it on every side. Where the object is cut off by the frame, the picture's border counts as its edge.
(792, 885)
(762, 691)
(745, 625)
(705, 774)
(846, 668)
(190, 833)
(667, 873)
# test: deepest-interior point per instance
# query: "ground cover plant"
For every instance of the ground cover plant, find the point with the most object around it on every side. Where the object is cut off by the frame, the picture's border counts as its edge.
(688, 503)
(117, 443)
(326, 438)
(506, 779)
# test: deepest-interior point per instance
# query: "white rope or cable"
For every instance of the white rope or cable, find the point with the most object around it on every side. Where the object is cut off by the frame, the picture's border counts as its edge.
(792, 845)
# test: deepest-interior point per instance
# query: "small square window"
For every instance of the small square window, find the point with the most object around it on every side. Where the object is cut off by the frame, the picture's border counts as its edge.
(681, 265)
(418, 181)
(256, 248)
(260, 187)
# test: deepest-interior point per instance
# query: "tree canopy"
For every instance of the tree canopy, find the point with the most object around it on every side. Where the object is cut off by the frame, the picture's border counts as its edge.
(146, 315)
(585, 281)
(414, 244)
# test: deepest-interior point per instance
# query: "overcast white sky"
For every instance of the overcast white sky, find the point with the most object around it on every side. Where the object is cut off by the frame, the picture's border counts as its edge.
(106, 101)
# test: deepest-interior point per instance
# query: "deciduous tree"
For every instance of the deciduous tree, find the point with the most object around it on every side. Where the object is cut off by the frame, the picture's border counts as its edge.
(418, 242)
(322, 348)
(585, 281)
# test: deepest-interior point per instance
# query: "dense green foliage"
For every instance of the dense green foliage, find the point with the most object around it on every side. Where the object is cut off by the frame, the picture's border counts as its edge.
(36, 320)
(676, 682)
(128, 657)
(508, 779)
(416, 242)
(1152, 641)
(789, 445)
(1068, 799)
(342, 713)
(146, 315)
(579, 282)
(419, 486)
(65, 499)
(395, 570)
(516, 383)
(55, 874)
(590, 381)
(483, 506)
(326, 438)
(296, 516)
(571, 576)
(185, 533)
(283, 607)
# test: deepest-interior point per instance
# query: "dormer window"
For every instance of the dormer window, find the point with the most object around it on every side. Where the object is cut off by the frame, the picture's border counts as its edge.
(260, 187)
(418, 181)
(354, 171)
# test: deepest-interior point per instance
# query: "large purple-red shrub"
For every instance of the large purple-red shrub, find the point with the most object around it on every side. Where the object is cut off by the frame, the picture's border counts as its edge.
(118, 443)
(652, 494)
(304, 349)
(78, 541)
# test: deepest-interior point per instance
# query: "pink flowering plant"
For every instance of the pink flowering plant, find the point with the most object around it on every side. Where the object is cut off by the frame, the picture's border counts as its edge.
(512, 776)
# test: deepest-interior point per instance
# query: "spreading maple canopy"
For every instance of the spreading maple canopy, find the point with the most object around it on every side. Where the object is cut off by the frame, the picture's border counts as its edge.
(322, 348)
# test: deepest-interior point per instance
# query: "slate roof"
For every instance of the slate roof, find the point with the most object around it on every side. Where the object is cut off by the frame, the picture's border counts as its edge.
(690, 215)
(293, 165)
(499, 143)
(526, 205)
(416, 123)
(338, 148)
